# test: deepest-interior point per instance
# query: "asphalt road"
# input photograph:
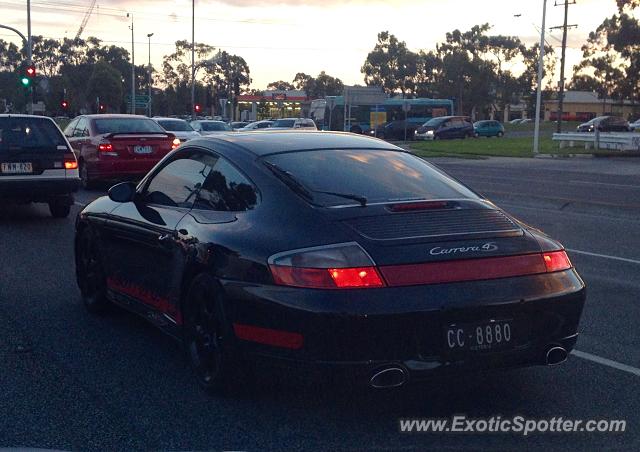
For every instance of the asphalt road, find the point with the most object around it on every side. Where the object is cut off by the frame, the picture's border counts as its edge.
(72, 381)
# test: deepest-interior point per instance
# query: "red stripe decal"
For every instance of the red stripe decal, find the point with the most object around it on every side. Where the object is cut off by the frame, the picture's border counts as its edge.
(275, 338)
(463, 270)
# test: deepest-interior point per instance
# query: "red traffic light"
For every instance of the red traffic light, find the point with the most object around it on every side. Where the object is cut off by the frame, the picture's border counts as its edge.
(64, 104)
(31, 71)
(102, 107)
(197, 108)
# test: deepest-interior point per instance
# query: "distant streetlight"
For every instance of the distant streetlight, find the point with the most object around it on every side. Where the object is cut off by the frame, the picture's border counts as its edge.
(193, 59)
(133, 69)
(149, 71)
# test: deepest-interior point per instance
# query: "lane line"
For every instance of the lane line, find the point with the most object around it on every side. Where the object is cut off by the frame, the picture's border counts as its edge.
(582, 182)
(607, 362)
(605, 256)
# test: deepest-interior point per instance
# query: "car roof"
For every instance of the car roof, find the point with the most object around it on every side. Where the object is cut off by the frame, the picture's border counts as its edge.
(208, 120)
(20, 115)
(166, 118)
(263, 143)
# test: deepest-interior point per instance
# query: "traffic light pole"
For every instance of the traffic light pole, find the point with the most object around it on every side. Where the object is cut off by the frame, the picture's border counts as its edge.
(29, 55)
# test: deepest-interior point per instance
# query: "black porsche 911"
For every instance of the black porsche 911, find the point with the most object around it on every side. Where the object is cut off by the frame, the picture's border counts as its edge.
(331, 251)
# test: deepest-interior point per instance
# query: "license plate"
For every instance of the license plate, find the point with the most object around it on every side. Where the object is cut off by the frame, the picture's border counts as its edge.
(142, 149)
(17, 168)
(478, 337)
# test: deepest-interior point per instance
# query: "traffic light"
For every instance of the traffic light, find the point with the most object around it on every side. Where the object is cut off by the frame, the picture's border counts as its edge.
(64, 104)
(28, 76)
(102, 108)
(197, 108)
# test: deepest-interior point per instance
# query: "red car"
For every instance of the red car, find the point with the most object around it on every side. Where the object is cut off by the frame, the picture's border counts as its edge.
(117, 147)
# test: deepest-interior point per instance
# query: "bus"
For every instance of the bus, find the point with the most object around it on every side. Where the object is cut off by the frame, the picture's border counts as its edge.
(365, 118)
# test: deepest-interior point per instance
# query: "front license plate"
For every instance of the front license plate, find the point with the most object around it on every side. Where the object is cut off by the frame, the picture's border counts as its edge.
(143, 149)
(478, 337)
(17, 168)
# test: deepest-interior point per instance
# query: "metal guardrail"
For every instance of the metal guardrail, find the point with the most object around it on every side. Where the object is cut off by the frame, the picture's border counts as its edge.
(616, 141)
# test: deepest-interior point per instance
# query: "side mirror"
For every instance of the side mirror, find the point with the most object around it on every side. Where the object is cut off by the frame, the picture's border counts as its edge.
(122, 192)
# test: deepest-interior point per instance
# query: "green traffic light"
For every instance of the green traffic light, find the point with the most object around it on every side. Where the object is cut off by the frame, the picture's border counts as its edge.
(25, 81)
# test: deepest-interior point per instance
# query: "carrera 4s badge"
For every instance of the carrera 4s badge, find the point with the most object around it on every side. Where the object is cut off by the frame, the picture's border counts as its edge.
(485, 248)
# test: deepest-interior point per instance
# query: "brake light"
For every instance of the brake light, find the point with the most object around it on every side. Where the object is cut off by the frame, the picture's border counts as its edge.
(105, 147)
(70, 162)
(556, 261)
(356, 277)
(341, 266)
(175, 143)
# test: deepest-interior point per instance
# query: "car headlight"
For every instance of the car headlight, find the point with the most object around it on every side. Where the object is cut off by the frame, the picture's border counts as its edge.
(429, 132)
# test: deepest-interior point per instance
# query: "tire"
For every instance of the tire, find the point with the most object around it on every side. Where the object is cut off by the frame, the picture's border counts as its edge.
(476, 135)
(59, 208)
(85, 181)
(90, 274)
(207, 336)
(500, 134)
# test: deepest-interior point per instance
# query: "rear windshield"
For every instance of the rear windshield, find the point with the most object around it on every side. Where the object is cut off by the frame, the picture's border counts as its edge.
(174, 125)
(284, 123)
(215, 126)
(377, 175)
(33, 134)
(127, 125)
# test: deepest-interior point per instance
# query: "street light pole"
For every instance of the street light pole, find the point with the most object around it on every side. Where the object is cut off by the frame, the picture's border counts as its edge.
(193, 59)
(536, 133)
(133, 70)
(149, 70)
(29, 55)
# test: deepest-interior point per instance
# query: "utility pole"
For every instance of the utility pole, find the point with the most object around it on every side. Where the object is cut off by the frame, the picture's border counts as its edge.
(133, 71)
(564, 27)
(536, 133)
(193, 59)
(149, 74)
(29, 54)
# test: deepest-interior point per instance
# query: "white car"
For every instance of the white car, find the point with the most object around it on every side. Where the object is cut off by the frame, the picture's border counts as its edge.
(635, 126)
(179, 127)
(210, 127)
(258, 125)
(293, 123)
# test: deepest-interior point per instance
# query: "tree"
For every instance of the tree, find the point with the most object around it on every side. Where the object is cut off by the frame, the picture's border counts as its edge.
(326, 85)
(391, 65)
(281, 85)
(105, 83)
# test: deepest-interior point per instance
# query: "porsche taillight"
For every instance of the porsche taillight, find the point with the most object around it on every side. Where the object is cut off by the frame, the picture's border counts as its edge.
(341, 266)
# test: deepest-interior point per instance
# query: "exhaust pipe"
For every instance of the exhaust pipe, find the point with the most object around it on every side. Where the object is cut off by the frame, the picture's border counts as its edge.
(556, 355)
(390, 377)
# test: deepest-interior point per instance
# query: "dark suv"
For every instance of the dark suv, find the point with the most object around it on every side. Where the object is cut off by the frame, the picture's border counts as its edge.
(606, 124)
(36, 163)
(445, 127)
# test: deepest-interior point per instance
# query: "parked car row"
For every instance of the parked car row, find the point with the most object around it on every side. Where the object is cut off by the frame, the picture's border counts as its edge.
(606, 124)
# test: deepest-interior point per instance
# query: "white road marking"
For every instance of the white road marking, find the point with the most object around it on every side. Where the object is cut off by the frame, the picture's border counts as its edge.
(582, 182)
(605, 256)
(607, 362)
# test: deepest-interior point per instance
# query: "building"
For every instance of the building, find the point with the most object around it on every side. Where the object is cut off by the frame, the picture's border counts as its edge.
(272, 104)
(585, 105)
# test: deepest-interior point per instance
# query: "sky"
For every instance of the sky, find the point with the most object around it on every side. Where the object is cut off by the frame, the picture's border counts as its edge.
(279, 38)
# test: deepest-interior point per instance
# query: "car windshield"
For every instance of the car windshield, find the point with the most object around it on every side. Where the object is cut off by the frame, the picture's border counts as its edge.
(215, 126)
(175, 125)
(376, 175)
(284, 123)
(34, 134)
(434, 122)
(127, 125)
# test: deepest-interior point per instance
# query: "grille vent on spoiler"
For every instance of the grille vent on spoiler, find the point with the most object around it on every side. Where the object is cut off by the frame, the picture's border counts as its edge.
(440, 223)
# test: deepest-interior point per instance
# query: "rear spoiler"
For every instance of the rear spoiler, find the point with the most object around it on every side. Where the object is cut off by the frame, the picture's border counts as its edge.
(114, 134)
